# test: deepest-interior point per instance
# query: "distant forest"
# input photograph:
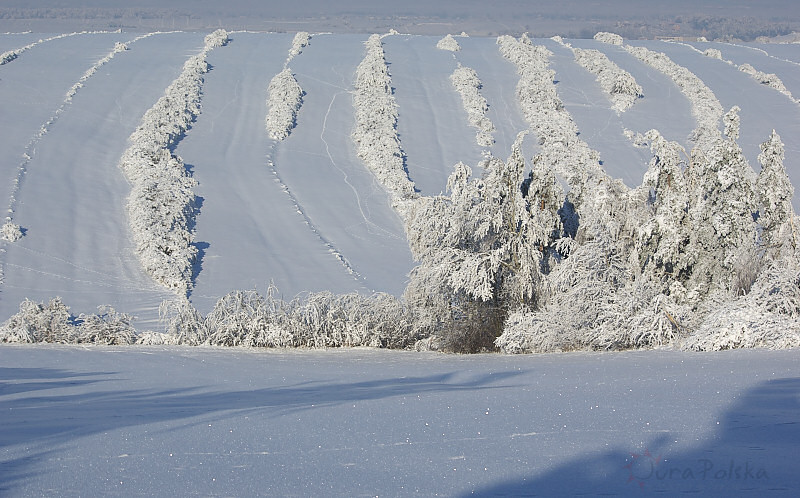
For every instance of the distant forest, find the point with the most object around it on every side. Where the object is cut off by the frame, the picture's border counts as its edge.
(712, 19)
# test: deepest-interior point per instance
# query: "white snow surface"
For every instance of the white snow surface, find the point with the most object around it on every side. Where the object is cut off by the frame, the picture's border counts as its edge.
(304, 213)
(173, 421)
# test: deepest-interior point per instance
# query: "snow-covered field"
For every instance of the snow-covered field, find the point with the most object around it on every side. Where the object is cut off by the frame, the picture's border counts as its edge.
(155, 421)
(304, 213)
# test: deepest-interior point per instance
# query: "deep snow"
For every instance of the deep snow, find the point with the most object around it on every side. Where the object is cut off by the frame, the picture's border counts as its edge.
(108, 421)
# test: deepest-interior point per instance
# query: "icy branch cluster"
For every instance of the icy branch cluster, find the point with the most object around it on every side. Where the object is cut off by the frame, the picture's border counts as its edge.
(375, 133)
(448, 43)
(706, 109)
(118, 47)
(161, 206)
(618, 83)
(466, 82)
(285, 98)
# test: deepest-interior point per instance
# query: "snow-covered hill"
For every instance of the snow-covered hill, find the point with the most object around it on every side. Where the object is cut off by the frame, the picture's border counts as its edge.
(303, 212)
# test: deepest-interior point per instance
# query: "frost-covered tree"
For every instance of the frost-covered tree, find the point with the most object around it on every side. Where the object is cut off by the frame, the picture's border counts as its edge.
(481, 248)
(723, 234)
(11, 232)
(774, 192)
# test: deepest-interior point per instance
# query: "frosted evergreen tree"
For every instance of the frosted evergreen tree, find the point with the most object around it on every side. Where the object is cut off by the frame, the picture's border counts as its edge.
(481, 250)
(723, 233)
(775, 191)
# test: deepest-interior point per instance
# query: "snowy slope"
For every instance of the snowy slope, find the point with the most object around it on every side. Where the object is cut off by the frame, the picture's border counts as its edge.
(304, 213)
(201, 421)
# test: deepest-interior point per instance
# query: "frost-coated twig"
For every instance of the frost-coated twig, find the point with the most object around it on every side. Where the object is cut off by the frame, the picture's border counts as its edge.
(161, 204)
(468, 85)
(375, 133)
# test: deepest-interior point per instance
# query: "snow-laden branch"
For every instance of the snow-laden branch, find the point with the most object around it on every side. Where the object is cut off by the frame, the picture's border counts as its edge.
(448, 43)
(161, 206)
(619, 84)
(706, 109)
(375, 133)
(283, 103)
(468, 85)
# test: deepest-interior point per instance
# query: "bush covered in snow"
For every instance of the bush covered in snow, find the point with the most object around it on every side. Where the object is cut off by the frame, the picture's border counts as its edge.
(618, 83)
(11, 232)
(161, 206)
(448, 43)
(375, 133)
(318, 320)
(283, 103)
(610, 38)
(53, 322)
(466, 82)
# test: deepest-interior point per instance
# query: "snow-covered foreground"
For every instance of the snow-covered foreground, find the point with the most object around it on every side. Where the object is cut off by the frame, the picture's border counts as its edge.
(106, 421)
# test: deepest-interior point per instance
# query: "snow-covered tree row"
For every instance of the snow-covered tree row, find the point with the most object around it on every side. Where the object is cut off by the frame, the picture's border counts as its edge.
(161, 205)
(620, 85)
(706, 109)
(12, 232)
(283, 103)
(375, 133)
(769, 79)
(561, 148)
(10, 55)
(691, 267)
(448, 43)
(468, 85)
(609, 38)
(285, 95)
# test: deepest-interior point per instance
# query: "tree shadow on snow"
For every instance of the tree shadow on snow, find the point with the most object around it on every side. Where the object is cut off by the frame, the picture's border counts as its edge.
(51, 420)
(754, 453)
